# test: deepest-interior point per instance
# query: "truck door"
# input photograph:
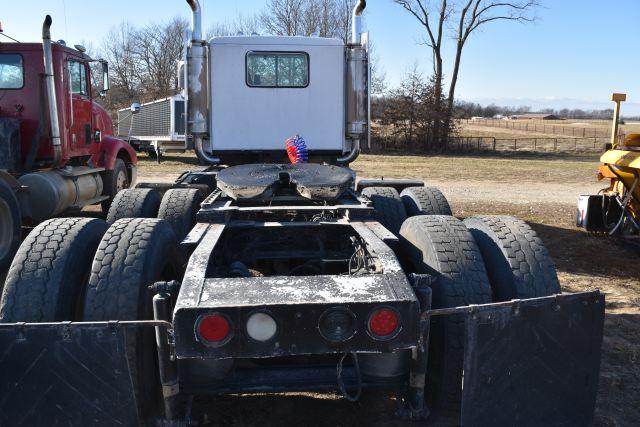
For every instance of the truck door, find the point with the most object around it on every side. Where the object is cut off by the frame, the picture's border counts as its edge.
(80, 125)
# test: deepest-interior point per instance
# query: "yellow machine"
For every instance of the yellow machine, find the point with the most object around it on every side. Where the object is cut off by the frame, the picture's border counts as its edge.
(616, 209)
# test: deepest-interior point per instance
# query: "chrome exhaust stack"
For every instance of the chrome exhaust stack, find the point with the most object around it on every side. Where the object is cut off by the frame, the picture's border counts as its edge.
(50, 85)
(356, 21)
(197, 82)
(357, 87)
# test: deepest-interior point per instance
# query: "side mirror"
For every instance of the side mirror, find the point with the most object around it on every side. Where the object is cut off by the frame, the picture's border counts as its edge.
(181, 75)
(106, 85)
(135, 108)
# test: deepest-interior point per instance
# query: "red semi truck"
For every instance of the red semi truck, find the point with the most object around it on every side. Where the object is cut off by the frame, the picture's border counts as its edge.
(57, 148)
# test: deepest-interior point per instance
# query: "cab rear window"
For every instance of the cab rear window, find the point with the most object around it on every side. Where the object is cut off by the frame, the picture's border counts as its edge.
(11, 71)
(278, 69)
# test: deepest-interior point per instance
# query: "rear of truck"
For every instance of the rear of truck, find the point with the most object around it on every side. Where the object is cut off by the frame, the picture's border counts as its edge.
(290, 277)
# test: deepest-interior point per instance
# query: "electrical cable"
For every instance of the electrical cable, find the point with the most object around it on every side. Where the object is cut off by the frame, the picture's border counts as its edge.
(341, 386)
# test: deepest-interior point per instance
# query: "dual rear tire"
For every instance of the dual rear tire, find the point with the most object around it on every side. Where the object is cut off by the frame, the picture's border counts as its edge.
(178, 207)
(80, 269)
(478, 261)
(391, 208)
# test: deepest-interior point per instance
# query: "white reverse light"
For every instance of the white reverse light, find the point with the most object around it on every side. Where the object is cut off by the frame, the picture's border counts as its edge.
(261, 327)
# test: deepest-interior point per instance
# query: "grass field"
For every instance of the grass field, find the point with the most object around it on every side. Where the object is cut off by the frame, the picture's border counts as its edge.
(541, 189)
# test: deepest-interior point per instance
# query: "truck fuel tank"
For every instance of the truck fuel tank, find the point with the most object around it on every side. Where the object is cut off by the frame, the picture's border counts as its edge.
(52, 192)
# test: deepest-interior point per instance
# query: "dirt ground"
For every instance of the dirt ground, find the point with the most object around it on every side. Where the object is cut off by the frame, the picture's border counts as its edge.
(541, 189)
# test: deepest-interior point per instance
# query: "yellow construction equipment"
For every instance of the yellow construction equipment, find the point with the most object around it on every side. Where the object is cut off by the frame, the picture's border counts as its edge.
(616, 209)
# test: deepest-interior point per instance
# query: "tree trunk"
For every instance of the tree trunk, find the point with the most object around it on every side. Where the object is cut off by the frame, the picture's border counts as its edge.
(437, 126)
(454, 77)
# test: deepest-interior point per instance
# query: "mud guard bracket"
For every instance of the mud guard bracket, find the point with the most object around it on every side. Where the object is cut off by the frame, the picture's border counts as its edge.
(533, 362)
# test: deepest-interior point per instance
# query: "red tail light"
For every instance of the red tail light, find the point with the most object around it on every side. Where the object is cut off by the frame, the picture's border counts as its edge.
(214, 328)
(384, 323)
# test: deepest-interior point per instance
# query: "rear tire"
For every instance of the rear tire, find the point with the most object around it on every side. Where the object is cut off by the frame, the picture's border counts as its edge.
(134, 203)
(425, 201)
(442, 246)
(518, 263)
(179, 207)
(10, 225)
(47, 278)
(134, 254)
(114, 181)
(389, 210)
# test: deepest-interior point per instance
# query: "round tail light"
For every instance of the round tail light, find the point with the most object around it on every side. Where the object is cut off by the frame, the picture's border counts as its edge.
(261, 327)
(214, 329)
(337, 324)
(384, 323)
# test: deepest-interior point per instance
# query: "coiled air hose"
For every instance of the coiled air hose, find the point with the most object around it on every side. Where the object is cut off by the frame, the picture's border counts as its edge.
(297, 150)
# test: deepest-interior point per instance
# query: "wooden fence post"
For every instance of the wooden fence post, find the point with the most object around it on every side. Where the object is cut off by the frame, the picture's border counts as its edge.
(555, 145)
(494, 143)
(515, 144)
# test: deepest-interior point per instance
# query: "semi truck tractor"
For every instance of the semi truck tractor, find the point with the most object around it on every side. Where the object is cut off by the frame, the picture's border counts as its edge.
(273, 270)
(57, 149)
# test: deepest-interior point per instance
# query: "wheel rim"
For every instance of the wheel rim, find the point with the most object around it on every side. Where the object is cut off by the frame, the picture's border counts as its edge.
(6, 229)
(121, 181)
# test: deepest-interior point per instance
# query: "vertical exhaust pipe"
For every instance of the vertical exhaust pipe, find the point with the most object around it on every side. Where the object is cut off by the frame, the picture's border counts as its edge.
(356, 21)
(198, 86)
(50, 85)
(357, 87)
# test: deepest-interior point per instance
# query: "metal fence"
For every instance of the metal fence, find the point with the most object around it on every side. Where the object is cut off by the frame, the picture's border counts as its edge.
(542, 127)
(484, 143)
(386, 144)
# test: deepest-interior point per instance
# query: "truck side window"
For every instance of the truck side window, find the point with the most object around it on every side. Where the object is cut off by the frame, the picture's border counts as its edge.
(78, 77)
(278, 69)
(11, 71)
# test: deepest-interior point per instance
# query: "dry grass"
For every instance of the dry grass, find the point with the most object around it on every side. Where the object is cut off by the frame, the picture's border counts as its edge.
(501, 168)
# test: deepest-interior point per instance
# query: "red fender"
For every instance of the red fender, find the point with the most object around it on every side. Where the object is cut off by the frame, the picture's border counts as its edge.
(110, 149)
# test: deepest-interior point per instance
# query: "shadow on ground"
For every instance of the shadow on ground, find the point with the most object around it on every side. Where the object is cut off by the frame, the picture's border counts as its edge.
(577, 252)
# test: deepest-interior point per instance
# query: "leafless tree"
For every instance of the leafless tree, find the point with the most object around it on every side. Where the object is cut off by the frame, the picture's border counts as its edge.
(243, 24)
(409, 112)
(460, 19)
(283, 17)
(118, 47)
(326, 18)
(157, 49)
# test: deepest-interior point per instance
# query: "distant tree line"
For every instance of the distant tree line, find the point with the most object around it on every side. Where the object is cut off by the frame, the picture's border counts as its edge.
(465, 109)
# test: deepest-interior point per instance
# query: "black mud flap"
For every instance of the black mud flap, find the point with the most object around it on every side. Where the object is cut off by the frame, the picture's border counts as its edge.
(533, 362)
(65, 374)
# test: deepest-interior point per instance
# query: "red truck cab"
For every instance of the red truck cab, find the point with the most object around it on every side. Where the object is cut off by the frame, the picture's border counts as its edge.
(57, 145)
(86, 127)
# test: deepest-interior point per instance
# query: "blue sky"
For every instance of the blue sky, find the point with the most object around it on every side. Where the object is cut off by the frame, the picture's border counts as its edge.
(575, 55)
